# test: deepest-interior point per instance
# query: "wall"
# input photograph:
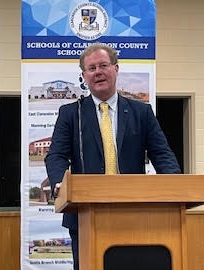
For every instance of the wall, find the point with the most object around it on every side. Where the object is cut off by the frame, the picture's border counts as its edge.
(195, 239)
(10, 53)
(10, 240)
(180, 58)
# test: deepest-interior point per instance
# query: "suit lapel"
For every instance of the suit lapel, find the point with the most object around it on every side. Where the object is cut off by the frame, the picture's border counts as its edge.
(89, 117)
(123, 114)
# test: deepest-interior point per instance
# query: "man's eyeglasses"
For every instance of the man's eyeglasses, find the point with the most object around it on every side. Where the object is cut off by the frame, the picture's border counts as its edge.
(102, 66)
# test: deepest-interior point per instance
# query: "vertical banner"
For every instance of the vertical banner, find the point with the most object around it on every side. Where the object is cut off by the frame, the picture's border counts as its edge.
(54, 34)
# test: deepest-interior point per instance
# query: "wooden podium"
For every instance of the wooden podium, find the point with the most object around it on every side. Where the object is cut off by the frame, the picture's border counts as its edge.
(128, 210)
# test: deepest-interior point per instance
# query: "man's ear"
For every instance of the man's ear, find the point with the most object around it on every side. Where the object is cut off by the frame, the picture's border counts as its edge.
(116, 67)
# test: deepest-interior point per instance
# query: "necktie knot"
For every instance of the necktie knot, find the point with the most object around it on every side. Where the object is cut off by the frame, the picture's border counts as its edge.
(104, 107)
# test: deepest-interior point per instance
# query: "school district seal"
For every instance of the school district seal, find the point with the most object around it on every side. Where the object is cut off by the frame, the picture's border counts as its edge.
(89, 21)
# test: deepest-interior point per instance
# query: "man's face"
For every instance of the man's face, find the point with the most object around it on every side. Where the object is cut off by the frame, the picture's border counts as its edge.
(100, 75)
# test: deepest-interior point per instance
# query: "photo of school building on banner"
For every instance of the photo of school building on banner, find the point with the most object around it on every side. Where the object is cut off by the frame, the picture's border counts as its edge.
(54, 34)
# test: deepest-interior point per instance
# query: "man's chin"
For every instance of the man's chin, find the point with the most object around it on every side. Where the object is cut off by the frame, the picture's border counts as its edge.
(102, 94)
(101, 90)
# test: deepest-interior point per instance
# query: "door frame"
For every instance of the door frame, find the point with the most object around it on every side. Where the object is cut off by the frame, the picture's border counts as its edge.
(188, 127)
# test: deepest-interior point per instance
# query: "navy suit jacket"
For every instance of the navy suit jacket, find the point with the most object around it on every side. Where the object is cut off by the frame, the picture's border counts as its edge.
(138, 132)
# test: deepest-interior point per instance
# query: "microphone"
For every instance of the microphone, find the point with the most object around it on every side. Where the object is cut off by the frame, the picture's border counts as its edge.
(79, 101)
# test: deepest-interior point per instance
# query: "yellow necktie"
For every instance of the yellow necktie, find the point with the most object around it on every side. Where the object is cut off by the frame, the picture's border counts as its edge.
(108, 142)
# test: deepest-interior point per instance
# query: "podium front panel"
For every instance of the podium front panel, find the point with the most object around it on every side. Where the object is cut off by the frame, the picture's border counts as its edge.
(103, 226)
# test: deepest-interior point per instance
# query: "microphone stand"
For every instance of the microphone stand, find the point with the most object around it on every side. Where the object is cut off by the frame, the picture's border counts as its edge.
(80, 136)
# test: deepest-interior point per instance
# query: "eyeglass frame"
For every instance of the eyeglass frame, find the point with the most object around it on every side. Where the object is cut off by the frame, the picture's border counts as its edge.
(102, 66)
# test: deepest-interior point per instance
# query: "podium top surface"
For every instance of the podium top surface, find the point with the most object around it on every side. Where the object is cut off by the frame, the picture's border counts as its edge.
(128, 188)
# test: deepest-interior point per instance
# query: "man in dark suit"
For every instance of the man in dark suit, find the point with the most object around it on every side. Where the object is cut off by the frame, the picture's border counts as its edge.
(77, 142)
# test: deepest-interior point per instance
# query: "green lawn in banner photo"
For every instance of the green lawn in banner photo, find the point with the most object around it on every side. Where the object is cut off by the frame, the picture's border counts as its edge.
(50, 256)
(37, 157)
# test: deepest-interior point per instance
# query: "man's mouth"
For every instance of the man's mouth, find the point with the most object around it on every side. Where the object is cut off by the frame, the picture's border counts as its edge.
(100, 81)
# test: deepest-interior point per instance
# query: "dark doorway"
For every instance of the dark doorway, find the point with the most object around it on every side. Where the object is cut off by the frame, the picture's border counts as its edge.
(169, 113)
(10, 153)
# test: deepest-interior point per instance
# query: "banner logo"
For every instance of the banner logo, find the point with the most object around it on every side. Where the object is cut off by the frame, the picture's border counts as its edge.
(89, 21)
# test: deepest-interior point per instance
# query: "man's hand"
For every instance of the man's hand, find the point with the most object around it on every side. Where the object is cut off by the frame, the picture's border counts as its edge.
(56, 189)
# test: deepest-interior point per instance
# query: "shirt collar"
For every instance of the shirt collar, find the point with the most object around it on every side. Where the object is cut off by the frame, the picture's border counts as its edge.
(112, 101)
